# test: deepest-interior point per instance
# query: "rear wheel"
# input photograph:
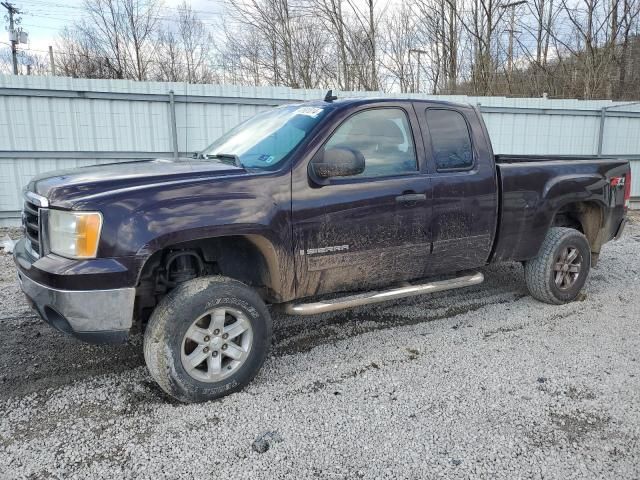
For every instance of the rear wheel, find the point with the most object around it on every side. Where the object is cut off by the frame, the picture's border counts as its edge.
(561, 268)
(207, 338)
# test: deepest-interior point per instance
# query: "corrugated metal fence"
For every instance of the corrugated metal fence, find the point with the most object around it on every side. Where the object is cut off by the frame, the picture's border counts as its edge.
(48, 123)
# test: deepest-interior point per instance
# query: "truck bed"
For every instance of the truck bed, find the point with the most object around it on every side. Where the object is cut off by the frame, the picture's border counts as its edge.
(505, 159)
(533, 188)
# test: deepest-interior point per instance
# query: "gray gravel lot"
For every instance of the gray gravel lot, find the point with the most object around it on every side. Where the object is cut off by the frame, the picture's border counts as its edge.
(478, 383)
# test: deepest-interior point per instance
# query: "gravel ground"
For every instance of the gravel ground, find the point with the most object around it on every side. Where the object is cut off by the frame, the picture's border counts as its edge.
(478, 383)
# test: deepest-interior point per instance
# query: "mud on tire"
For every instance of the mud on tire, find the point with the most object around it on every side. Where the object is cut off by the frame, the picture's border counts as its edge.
(546, 277)
(173, 343)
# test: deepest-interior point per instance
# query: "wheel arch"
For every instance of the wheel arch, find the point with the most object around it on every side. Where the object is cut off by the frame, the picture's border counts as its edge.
(588, 217)
(252, 259)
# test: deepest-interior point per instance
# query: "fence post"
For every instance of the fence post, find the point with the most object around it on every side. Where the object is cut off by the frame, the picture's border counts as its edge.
(603, 117)
(174, 128)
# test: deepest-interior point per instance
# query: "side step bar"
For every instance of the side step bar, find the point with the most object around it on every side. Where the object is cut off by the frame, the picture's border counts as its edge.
(383, 296)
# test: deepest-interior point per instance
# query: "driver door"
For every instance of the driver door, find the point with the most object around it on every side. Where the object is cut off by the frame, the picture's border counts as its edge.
(369, 229)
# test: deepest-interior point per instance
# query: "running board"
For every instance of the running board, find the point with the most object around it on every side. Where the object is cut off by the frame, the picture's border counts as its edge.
(381, 296)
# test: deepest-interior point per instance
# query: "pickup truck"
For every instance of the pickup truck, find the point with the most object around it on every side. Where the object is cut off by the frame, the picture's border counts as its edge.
(306, 208)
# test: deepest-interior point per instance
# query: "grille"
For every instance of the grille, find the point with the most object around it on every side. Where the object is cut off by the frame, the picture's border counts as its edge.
(31, 220)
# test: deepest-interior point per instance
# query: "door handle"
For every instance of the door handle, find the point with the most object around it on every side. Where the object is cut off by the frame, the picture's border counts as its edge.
(411, 198)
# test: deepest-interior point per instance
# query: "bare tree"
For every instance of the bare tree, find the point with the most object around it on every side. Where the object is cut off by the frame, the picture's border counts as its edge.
(6, 65)
(184, 49)
(116, 37)
(628, 31)
(589, 44)
(246, 59)
(104, 33)
(482, 23)
(271, 20)
(363, 37)
(312, 61)
(574, 48)
(330, 15)
(399, 38)
(141, 17)
(169, 56)
(78, 57)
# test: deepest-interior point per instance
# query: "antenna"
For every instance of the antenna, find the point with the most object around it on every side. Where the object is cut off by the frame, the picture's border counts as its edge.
(330, 97)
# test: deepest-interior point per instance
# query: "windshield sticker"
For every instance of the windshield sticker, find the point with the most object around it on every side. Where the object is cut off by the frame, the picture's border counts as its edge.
(312, 112)
(265, 158)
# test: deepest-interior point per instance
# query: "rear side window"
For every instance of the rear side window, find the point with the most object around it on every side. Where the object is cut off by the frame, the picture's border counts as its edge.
(450, 139)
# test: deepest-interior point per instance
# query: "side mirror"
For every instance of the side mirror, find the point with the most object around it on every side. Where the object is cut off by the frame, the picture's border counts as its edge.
(338, 162)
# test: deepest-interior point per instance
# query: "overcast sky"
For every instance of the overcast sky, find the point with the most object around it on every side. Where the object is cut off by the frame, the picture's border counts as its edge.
(43, 19)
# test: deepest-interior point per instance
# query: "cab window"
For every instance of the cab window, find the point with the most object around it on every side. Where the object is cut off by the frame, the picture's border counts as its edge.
(450, 140)
(383, 136)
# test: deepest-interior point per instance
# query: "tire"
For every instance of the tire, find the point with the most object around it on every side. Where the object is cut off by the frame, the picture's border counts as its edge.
(542, 272)
(191, 322)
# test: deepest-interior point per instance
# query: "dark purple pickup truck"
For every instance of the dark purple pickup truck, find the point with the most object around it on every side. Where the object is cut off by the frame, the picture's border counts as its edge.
(377, 198)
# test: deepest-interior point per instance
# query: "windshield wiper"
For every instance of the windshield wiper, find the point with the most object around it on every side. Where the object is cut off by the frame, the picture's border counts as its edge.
(225, 157)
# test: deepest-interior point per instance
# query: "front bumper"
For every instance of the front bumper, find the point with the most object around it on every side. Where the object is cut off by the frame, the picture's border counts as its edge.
(95, 316)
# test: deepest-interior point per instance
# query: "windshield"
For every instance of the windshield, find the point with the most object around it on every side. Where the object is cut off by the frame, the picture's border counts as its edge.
(266, 139)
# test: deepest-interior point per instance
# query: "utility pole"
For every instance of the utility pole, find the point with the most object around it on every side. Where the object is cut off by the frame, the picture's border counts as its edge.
(512, 30)
(372, 40)
(419, 52)
(13, 35)
(52, 62)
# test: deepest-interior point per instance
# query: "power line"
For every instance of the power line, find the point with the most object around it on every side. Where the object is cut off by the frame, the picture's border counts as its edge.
(41, 3)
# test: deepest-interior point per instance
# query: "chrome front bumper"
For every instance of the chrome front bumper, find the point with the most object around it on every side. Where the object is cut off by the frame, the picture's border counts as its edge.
(95, 316)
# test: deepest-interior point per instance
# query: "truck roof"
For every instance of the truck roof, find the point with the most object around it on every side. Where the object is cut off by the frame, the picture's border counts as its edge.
(354, 101)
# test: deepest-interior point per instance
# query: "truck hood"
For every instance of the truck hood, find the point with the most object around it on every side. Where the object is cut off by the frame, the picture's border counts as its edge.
(64, 187)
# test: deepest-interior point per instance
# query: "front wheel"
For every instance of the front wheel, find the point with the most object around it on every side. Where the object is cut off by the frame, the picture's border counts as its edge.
(561, 268)
(207, 338)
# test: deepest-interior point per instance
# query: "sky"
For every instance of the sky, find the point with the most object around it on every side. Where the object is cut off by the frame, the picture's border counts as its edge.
(43, 19)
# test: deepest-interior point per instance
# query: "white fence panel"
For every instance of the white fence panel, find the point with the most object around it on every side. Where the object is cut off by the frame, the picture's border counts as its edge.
(50, 123)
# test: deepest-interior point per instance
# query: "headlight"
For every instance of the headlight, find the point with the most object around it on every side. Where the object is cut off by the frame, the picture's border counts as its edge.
(74, 234)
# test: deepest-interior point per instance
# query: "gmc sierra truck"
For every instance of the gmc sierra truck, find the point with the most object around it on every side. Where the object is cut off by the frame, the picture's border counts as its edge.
(308, 208)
